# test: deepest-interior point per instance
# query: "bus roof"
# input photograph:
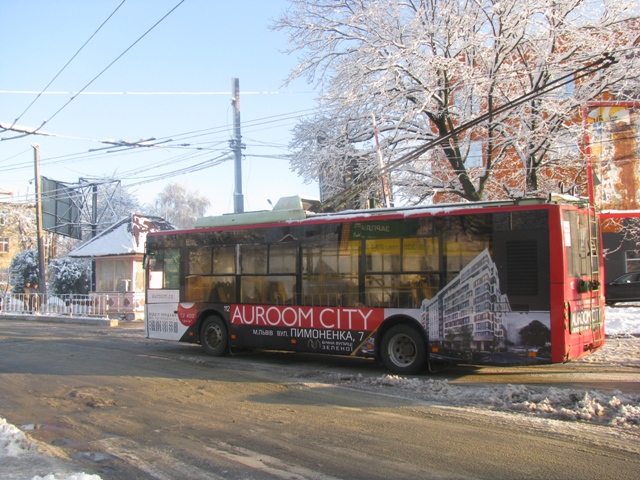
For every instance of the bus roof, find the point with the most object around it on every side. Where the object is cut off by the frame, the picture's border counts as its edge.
(293, 209)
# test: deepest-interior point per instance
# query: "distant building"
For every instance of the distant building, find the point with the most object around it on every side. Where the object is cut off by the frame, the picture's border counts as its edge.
(614, 151)
(621, 242)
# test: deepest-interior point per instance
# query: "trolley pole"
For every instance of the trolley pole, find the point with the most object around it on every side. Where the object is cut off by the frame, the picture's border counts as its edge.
(236, 146)
(41, 265)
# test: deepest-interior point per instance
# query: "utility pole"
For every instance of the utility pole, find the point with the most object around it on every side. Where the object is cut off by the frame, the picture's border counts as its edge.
(43, 278)
(236, 146)
(94, 210)
(94, 231)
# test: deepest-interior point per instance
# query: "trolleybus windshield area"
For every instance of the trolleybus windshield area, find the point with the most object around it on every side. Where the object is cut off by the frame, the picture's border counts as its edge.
(482, 283)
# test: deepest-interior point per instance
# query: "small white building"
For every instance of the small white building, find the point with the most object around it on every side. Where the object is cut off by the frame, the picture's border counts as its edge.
(118, 252)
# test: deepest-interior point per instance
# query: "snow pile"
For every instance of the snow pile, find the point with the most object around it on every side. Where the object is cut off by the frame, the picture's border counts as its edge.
(613, 409)
(621, 351)
(12, 441)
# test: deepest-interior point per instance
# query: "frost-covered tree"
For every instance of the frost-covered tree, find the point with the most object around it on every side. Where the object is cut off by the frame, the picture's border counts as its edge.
(179, 206)
(21, 218)
(24, 269)
(425, 68)
(69, 275)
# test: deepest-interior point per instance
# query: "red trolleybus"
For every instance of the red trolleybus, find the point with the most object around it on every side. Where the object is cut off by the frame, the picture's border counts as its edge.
(482, 283)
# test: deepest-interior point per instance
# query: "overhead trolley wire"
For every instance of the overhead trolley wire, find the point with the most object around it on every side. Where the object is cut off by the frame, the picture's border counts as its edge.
(101, 72)
(67, 64)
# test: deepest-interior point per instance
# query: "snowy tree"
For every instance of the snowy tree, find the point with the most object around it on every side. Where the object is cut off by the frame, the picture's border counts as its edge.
(179, 206)
(424, 69)
(24, 269)
(70, 275)
(22, 219)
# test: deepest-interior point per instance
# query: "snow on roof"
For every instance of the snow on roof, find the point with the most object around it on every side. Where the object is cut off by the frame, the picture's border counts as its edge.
(126, 237)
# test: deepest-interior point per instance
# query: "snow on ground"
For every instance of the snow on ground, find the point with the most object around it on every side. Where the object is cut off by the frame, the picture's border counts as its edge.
(613, 409)
(22, 458)
(25, 459)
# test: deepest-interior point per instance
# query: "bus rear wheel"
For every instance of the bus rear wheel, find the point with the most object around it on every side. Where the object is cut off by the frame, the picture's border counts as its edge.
(214, 337)
(403, 350)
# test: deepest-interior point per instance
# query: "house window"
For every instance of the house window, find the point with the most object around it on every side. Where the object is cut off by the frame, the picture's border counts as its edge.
(112, 274)
(474, 157)
(4, 245)
(632, 258)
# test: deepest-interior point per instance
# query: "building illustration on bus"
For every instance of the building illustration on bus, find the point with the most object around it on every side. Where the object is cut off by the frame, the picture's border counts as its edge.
(492, 282)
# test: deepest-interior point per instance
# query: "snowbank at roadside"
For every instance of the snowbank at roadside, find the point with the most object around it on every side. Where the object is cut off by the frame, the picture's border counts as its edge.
(613, 409)
(22, 459)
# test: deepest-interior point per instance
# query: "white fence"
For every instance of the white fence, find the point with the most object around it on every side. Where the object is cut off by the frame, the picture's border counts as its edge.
(93, 305)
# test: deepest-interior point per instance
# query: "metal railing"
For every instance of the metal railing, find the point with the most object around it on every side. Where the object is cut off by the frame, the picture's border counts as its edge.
(94, 305)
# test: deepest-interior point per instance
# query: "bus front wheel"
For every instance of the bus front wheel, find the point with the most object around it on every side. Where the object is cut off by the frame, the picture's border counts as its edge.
(403, 350)
(214, 337)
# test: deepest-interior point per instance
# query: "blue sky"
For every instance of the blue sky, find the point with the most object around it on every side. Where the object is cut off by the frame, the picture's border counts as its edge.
(178, 78)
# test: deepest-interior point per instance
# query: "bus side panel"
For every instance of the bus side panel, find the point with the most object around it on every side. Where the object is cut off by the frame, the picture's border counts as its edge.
(341, 331)
(166, 319)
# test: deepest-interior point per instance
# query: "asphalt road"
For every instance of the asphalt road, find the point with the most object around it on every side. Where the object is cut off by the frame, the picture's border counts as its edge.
(126, 407)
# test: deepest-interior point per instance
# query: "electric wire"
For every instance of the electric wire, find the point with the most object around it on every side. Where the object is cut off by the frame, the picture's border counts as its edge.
(107, 67)
(67, 64)
(179, 141)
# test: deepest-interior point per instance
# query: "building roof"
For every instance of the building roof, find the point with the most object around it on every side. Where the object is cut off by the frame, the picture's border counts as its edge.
(126, 237)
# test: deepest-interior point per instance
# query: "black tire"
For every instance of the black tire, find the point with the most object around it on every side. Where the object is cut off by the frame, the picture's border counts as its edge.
(214, 336)
(403, 350)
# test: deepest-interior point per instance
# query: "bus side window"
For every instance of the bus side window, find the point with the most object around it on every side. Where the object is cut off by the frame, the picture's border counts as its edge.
(156, 271)
(164, 270)
(200, 261)
(268, 274)
(330, 275)
(172, 269)
(198, 288)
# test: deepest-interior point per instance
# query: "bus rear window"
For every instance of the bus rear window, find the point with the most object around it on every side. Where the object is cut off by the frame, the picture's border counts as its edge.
(580, 243)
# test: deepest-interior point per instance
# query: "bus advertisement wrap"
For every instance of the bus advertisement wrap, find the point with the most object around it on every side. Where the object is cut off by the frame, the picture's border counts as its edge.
(307, 317)
(490, 283)
(316, 329)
